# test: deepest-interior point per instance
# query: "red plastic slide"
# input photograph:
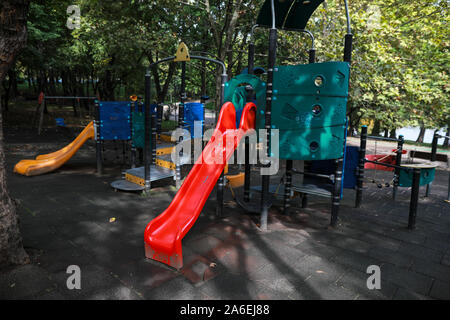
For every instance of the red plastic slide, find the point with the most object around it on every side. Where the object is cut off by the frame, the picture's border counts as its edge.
(163, 234)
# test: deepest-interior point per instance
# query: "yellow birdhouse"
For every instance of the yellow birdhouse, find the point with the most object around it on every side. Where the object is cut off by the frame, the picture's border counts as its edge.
(182, 53)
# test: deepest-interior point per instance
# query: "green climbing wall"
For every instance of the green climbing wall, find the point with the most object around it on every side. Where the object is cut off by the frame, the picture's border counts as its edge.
(309, 109)
(235, 91)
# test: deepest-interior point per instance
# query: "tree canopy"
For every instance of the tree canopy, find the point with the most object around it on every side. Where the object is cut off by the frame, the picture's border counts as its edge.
(399, 70)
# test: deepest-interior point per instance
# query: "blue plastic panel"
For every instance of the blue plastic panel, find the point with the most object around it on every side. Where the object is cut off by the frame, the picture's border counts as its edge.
(193, 111)
(115, 120)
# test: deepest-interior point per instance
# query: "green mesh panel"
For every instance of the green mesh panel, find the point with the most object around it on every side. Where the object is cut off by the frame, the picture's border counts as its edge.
(304, 133)
(406, 177)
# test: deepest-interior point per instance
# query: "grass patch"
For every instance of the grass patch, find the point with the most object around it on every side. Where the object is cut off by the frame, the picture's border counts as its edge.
(211, 106)
(440, 148)
(168, 125)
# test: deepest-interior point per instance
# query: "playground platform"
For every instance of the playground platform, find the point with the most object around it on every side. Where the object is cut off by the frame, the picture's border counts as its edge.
(66, 219)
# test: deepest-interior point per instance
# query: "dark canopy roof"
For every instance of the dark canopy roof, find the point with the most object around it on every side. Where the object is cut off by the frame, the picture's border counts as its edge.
(289, 14)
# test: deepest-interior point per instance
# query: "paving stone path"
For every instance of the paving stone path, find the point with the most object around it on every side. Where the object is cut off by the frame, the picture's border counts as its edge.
(65, 220)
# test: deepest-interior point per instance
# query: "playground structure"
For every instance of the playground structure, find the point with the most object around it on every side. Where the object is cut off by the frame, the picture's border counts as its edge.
(306, 103)
(433, 156)
(117, 121)
(112, 123)
(38, 118)
(163, 234)
(394, 158)
(405, 175)
(157, 164)
(52, 161)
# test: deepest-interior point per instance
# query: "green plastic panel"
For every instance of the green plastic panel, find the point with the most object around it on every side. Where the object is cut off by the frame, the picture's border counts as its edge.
(289, 14)
(309, 108)
(235, 91)
(137, 129)
(406, 177)
(312, 144)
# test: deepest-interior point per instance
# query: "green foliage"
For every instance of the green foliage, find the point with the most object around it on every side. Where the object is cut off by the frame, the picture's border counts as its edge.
(400, 62)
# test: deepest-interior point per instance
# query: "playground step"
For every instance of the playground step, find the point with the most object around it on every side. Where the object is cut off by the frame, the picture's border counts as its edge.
(125, 185)
(137, 175)
(318, 190)
(321, 190)
(165, 161)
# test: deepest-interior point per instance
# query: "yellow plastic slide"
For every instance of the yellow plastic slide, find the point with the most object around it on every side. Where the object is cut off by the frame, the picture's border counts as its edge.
(51, 161)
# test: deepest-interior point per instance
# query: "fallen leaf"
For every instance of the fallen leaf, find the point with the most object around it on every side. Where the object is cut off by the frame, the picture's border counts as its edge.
(112, 219)
(320, 271)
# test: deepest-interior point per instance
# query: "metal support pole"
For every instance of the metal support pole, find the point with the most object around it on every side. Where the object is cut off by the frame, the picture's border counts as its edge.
(220, 187)
(312, 56)
(182, 97)
(153, 124)
(398, 162)
(247, 170)
(304, 200)
(41, 116)
(251, 58)
(432, 158)
(287, 187)
(268, 121)
(133, 157)
(448, 188)
(133, 108)
(360, 173)
(159, 111)
(336, 195)
(181, 121)
(98, 141)
(348, 48)
(414, 199)
(221, 182)
(147, 131)
(434, 146)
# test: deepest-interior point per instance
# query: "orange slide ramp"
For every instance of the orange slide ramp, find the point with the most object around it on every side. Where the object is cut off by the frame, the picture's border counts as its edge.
(163, 234)
(49, 162)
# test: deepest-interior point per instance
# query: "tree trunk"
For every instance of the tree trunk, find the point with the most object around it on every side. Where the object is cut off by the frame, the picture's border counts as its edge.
(108, 86)
(446, 140)
(223, 38)
(376, 128)
(393, 134)
(203, 79)
(6, 94)
(421, 134)
(13, 37)
(11, 248)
